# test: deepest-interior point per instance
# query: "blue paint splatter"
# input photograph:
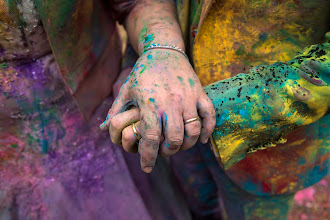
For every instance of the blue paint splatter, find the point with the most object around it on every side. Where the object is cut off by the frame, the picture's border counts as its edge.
(148, 38)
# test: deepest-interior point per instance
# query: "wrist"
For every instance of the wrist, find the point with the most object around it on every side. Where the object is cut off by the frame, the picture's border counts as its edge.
(172, 38)
(165, 47)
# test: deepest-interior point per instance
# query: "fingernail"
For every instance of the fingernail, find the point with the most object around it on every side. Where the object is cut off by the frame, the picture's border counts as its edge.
(102, 125)
(205, 140)
(147, 169)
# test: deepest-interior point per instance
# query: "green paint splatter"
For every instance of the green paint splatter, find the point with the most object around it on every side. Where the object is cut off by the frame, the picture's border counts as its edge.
(145, 38)
(191, 82)
(147, 126)
(180, 78)
(142, 33)
(143, 69)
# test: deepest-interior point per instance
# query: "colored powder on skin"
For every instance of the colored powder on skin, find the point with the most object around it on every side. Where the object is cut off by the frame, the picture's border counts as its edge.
(180, 78)
(148, 38)
(152, 100)
(126, 80)
(149, 57)
(165, 121)
(143, 31)
(147, 126)
(191, 82)
(143, 69)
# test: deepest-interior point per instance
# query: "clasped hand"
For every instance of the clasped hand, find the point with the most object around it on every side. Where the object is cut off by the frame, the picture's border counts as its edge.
(161, 93)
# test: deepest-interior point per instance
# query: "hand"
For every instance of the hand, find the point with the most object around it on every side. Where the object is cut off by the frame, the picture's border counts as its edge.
(120, 80)
(123, 129)
(164, 87)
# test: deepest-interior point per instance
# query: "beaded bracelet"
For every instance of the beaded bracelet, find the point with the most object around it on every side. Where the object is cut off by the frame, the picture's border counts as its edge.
(159, 46)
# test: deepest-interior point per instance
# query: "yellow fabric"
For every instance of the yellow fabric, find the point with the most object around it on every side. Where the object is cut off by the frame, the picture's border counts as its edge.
(239, 34)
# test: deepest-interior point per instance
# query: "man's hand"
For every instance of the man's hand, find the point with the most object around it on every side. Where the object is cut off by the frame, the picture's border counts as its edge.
(164, 87)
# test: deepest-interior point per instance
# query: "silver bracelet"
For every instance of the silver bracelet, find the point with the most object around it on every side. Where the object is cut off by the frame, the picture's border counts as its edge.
(159, 46)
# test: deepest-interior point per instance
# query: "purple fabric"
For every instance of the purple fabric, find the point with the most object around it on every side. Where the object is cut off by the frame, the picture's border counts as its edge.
(56, 165)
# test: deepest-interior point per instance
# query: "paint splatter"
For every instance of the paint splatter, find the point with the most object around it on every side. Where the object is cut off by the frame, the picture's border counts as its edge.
(191, 82)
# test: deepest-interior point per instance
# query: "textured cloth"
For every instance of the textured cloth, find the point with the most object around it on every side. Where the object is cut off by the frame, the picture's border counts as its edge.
(230, 37)
(225, 38)
(55, 164)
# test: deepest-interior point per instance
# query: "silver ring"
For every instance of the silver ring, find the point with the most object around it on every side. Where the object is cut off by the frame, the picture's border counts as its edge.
(191, 120)
(136, 134)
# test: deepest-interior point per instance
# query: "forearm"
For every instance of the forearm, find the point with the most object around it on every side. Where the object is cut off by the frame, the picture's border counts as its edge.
(153, 22)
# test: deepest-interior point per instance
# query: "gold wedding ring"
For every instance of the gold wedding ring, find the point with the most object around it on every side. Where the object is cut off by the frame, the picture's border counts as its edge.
(137, 135)
(191, 120)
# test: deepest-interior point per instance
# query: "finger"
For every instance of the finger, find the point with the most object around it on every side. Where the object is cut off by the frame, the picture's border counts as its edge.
(174, 132)
(150, 128)
(117, 106)
(129, 139)
(122, 78)
(206, 111)
(121, 121)
(192, 129)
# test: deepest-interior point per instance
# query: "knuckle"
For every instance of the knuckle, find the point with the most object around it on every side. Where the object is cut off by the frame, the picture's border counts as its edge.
(148, 160)
(115, 124)
(194, 132)
(208, 131)
(149, 152)
(151, 138)
(175, 141)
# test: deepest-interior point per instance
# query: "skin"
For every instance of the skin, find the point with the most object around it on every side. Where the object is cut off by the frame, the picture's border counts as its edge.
(164, 87)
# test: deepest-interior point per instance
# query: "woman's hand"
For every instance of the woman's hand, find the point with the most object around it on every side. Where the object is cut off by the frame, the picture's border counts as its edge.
(167, 92)
(120, 80)
(124, 129)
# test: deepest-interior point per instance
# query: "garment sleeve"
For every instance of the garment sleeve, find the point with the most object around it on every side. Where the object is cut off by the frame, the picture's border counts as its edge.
(258, 110)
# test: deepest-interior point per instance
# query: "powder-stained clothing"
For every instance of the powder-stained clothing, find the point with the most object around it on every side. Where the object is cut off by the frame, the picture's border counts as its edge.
(229, 37)
(58, 62)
